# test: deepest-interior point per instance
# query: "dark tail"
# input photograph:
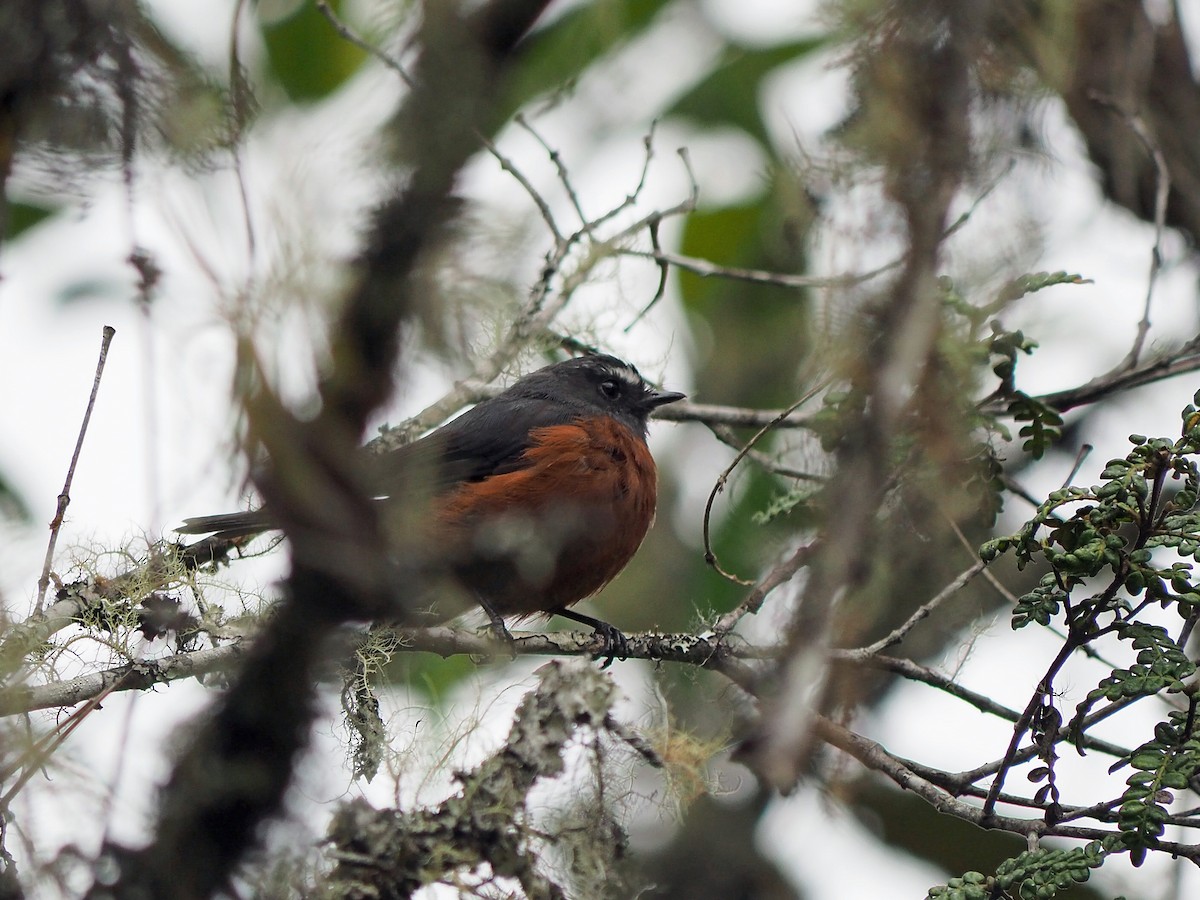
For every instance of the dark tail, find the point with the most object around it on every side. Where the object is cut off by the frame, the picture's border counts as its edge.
(229, 525)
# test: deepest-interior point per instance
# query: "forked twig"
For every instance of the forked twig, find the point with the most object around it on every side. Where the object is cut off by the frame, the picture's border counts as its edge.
(555, 158)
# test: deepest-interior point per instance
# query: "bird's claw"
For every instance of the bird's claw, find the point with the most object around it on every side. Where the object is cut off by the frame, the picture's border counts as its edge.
(616, 645)
(499, 630)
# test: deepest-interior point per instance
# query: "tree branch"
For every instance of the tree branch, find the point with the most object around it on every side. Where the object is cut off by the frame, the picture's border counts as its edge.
(233, 776)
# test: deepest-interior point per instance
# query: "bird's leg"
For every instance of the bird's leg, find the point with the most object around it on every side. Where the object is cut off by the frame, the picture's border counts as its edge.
(616, 645)
(499, 629)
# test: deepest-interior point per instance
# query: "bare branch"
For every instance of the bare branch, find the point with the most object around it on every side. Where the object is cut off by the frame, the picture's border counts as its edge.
(873, 755)
(1162, 190)
(1180, 361)
(922, 612)
(731, 658)
(348, 34)
(781, 573)
(64, 496)
(134, 676)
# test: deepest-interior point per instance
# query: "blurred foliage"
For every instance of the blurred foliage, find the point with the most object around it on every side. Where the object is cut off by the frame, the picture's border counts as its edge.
(23, 216)
(556, 56)
(12, 504)
(728, 96)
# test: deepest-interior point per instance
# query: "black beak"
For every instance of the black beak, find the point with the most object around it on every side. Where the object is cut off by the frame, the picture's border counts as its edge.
(655, 399)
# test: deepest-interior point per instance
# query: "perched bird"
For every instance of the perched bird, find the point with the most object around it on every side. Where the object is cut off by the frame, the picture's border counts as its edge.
(531, 500)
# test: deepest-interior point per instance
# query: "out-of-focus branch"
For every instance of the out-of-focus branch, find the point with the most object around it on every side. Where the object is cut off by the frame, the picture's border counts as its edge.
(392, 853)
(917, 127)
(1121, 57)
(233, 775)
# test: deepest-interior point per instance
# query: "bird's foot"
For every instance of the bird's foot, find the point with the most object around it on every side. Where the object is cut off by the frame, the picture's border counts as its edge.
(499, 630)
(615, 644)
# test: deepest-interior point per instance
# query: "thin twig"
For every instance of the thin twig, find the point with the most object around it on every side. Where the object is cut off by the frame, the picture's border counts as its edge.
(706, 269)
(538, 200)
(35, 757)
(348, 34)
(710, 557)
(564, 177)
(1179, 361)
(1082, 455)
(753, 601)
(725, 435)
(906, 668)
(664, 271)
(733, 416)
(631, 198)
(875, 757)
(64, 497)
(1162, 191)
(923, 612)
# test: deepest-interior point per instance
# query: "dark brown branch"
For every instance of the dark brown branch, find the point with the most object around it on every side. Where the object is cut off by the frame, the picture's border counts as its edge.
(913, 671)
(1180, 361)
(1122, 58)
(233, 775)
(923, 173)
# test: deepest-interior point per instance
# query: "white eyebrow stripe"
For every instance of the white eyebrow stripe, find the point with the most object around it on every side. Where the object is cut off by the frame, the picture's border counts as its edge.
(629, 376)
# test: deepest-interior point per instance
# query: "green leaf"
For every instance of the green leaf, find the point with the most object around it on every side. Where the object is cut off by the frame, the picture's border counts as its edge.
(1045, 423)
(1036, 281)
(782, 504)
(12, 506)
(307, 56)
(23, 216)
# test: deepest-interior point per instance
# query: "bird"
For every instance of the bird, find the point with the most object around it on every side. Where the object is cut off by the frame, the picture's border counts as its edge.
(530, 501)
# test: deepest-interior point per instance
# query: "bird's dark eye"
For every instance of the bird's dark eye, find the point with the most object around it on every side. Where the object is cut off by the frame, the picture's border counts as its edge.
(610, 389)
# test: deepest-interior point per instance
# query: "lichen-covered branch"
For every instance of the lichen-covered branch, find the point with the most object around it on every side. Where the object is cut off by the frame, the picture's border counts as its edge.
(388, 854)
